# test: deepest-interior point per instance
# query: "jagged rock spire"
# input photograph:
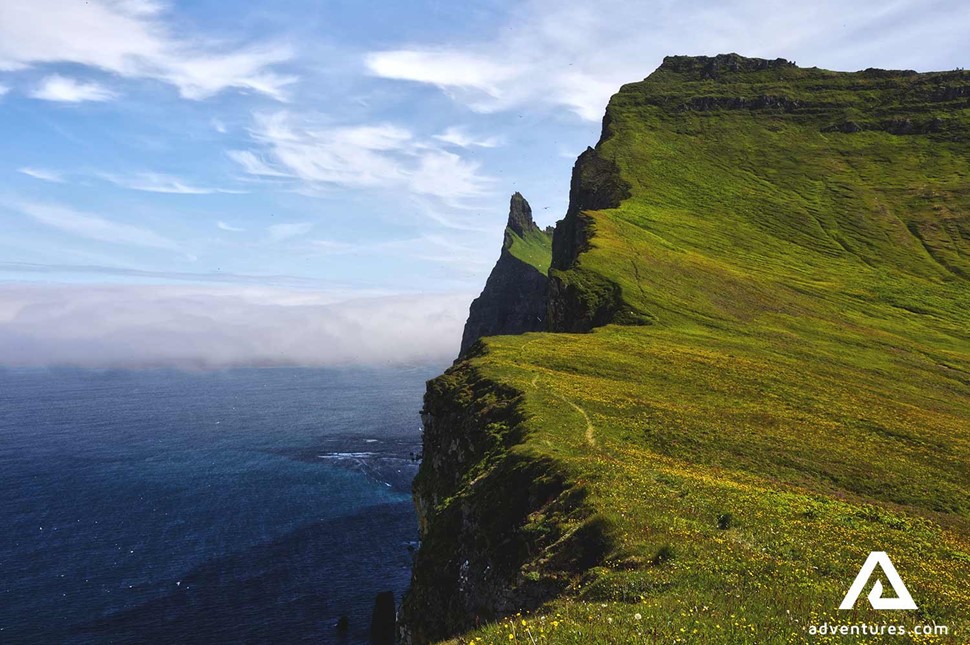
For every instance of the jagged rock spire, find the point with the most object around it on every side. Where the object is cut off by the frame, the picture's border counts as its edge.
(514, 298)
(520, 215)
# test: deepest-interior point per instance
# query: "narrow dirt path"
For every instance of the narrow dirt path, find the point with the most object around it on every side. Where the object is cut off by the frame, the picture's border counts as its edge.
(590, 432)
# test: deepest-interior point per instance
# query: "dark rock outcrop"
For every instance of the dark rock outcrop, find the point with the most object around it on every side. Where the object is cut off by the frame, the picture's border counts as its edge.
(383, 620)
(596, 184)
(343, 625)
(514, 298)
(713, 67)
(520, 216)
(577, 303)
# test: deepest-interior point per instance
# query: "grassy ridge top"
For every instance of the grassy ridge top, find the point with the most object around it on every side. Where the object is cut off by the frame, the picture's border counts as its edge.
(799, 240)
(534, 247)
(768, 209)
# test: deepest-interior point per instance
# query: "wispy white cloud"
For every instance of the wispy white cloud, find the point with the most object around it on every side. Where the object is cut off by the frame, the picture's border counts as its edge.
(214, 327)
(3, 89)
(445, 175)
(452, 70)
(229, 227)
(68, 90)
(280, 232)
(135, 39)
(333, 247)
(457, 136)
(254, 165)
(42, 174)
(458, 219)
(440, 248)
(153, 182)
(436, 248)
(370, 156)
(347, 156)
(93, 227)
(574, 54)
(219, 126)
(101, 273)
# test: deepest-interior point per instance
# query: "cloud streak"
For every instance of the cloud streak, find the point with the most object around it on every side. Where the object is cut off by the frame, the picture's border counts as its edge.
(42, 174)
(149, 182)
(62, 89)
(575, 55)
(100, 273)
(374, 156)
(457, 136)
(133, 39)
(281, 232)
(154, 182)
(209, 327)
(94, 227)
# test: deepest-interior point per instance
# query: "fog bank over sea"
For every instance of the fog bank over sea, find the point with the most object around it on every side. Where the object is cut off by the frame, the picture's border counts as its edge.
(205, 327)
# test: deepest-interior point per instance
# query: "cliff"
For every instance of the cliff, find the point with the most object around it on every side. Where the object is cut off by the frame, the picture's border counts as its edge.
(480, 504)
(771, 263)
(513, 300)
(573, 303)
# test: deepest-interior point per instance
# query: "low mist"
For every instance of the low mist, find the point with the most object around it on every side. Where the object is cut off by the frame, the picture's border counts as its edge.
(213, 327)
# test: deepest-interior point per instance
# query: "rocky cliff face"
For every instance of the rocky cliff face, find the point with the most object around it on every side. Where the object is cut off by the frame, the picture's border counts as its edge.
(474, 498)
(514, 297)
(574, 306)
(525, 292)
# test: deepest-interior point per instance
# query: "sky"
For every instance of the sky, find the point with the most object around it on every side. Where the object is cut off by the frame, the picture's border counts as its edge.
(326, 181)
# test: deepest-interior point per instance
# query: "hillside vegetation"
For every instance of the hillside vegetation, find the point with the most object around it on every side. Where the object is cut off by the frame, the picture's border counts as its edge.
(532, 247)
(784, 385)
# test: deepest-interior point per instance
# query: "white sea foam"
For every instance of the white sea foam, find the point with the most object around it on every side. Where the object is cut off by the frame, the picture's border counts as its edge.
(348, 455)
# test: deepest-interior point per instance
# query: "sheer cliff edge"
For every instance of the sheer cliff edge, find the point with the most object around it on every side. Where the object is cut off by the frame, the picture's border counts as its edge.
(740, 365)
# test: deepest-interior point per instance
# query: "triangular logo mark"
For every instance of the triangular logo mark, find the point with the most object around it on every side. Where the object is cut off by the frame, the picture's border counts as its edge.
(902, 600)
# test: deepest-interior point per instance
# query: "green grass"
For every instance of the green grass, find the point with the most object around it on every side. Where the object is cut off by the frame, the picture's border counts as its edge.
(817, 457)
(535, 248)
(806, 369)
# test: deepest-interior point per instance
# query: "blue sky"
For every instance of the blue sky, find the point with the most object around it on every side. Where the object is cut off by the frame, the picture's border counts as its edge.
(308, 153)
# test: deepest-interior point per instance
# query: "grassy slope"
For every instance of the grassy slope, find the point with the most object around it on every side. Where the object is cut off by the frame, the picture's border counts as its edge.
(803, 396)
(534, 248)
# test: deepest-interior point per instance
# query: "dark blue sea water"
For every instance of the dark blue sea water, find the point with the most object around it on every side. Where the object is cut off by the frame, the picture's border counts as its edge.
(239, 506)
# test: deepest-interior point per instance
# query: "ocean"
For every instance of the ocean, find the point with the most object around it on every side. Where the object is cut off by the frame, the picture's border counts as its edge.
(235, 506)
